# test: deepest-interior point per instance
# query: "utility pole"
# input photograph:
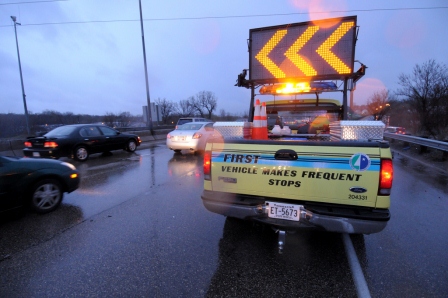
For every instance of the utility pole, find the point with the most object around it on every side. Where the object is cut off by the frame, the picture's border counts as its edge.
(146, 71)
(14, 19)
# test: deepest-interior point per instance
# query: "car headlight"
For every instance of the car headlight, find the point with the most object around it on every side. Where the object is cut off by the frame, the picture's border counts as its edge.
(68, 165)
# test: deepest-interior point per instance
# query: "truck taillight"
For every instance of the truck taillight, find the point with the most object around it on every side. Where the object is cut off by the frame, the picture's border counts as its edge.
(207, 165)
(386, 176)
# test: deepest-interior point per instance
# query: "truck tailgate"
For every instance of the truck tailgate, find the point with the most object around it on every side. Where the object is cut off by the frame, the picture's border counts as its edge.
(346, 173)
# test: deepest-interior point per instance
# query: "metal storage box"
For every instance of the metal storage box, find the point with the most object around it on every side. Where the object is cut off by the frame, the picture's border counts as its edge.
(356, 130)
(233, 130)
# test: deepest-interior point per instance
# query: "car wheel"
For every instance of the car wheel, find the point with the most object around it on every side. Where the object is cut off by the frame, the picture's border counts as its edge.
(177, 150)
(46, 196)
(132, 146)
(81, 153)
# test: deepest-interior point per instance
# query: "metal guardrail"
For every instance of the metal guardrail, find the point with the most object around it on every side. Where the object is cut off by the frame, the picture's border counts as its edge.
(17, 143)
(439, 145)
(157, 128)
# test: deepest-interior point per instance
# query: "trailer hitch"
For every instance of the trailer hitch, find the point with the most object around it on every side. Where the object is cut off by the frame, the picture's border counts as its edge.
(281, 240)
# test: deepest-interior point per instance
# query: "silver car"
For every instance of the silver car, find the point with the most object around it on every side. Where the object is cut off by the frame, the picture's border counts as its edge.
(190, 136)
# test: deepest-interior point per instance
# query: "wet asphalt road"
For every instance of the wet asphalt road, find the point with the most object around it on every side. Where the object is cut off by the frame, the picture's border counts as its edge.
(137, 228)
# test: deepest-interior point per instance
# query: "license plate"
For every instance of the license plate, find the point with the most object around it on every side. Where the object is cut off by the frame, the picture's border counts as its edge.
(36, 154)
(283, 211)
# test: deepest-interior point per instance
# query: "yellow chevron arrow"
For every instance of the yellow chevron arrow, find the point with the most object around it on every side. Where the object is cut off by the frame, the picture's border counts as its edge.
(325, 52)
(292, 52)
(262, 56)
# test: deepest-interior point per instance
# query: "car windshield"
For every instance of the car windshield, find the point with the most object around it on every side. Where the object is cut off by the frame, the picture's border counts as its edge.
(190, 126)
(60, 131)
(183, 121)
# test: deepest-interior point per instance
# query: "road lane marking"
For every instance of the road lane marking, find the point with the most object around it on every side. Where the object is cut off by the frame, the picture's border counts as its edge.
(357, 274)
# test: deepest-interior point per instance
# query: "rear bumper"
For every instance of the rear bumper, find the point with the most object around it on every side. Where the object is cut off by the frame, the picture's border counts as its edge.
(313, 216)
(44, 153)
(191, 145)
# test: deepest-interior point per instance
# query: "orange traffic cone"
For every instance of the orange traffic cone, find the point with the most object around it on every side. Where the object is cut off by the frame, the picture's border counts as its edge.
(264, 122)
(257, 125)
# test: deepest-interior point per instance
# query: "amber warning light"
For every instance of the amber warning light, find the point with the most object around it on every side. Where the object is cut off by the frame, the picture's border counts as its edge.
(296, 88)
(317, 49)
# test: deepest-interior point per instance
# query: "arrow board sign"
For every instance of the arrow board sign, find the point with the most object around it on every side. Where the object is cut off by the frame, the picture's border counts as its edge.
(323, 49)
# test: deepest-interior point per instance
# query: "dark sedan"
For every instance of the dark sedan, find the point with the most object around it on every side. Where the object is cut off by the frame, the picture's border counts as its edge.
(36, 183)
(79, 141)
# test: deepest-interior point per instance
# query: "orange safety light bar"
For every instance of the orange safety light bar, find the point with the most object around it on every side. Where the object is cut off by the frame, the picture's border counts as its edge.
(295, 88)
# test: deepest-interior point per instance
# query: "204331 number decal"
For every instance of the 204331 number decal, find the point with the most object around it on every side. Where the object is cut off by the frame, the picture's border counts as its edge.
(357, 197)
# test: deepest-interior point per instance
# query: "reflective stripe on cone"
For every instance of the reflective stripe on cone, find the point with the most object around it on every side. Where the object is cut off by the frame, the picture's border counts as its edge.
(264, 122)
(257, 124)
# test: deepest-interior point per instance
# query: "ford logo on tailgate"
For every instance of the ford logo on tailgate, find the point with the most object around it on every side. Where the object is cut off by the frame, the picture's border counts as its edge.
(357, 189)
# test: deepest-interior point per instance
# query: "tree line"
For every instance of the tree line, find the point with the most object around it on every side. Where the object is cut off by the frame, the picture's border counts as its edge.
(13, 125)
(203, 104)
(420, 104)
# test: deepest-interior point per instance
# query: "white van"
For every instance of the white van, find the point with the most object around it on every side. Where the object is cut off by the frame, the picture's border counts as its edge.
(191, 119)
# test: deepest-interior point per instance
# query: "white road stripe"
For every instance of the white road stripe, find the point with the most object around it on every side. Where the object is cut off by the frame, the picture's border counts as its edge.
(357, 274)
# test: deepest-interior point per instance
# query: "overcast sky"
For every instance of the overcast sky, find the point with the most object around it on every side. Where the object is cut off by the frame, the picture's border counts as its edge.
(86, 56)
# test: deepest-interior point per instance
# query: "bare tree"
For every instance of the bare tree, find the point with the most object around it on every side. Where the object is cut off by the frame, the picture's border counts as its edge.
(378, 104)
(124, 119)
(401, 114)
(53, 117)
(185, 107)
(166, 108)
(196, 106)
(226, 116)
(69, 117)
(206, 100)
(109, 119)
(222, 113)
(426, 91)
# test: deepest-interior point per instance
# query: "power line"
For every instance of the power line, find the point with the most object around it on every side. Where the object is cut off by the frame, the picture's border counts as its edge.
(31, 2)
(295, 13)
(228, 17)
